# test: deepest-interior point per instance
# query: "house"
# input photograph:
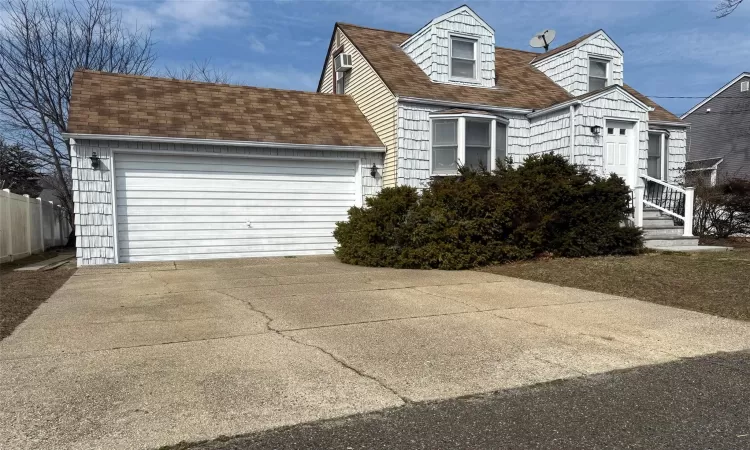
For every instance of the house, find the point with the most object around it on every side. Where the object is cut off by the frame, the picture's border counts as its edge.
(719, 135)
(167, 169)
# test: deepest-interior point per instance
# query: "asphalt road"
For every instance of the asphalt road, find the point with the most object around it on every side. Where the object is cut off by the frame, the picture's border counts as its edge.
(700, 403)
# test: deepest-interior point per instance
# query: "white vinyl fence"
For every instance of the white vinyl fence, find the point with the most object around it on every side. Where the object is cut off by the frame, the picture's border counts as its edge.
(29, 225)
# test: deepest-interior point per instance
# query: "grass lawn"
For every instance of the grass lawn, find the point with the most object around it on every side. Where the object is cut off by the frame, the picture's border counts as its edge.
(22, 292)
(714, 283)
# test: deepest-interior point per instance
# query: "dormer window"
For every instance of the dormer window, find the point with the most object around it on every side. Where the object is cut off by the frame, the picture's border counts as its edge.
(463, 58)
(598, 74)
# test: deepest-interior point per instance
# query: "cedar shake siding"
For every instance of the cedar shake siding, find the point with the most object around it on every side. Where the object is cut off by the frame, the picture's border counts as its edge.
(724, 132)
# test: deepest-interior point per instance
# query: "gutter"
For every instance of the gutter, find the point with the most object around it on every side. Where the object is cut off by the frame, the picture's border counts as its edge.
(670, 124)
(169, 140)
(551, 109)
(426, 101)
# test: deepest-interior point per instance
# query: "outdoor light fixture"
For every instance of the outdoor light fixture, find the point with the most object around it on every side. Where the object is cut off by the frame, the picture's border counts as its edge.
(95, 161)
(374, 170)
(596, 129)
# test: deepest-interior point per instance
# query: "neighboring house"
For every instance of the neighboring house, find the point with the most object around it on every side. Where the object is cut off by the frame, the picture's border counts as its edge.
(719, 135)
(196, 170)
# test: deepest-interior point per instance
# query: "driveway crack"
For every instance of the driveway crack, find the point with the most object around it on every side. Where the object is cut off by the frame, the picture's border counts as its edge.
(335, 358)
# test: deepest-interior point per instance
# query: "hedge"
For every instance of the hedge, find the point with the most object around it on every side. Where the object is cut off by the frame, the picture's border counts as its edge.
(545, 206)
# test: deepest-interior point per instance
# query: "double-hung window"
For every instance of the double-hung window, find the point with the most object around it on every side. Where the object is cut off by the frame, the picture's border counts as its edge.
(444, 146)
(658, 155)
(472, 141)
(463, 64)
(598, 74)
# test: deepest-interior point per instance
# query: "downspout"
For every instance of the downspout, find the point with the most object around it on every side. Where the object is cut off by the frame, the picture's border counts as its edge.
(572, 132)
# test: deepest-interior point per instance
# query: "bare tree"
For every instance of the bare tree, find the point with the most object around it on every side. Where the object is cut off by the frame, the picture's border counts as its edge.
(726, 7)
(199, 71)
(41, 44)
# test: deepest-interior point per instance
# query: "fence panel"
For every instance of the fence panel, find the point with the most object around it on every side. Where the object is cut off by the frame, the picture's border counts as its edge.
(29, 225)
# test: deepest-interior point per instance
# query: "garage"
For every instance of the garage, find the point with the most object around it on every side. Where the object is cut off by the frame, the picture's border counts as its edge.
(166, 169)
(176, 207)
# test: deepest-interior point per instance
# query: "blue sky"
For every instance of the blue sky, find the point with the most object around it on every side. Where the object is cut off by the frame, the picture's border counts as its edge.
(672, 48)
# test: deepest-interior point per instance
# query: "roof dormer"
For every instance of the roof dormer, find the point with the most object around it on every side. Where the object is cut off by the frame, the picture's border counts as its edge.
(589, 63)
(457, 47)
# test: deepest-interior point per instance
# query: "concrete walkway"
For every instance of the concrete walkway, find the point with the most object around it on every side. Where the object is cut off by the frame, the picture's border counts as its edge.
(143, 355)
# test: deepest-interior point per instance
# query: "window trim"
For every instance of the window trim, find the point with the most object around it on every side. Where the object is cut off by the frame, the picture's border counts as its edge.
(475, 43)
(608, 70)
(744, 86)
(461, 119)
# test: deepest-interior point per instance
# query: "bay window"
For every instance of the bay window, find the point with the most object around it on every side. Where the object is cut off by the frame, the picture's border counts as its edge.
(470, 140)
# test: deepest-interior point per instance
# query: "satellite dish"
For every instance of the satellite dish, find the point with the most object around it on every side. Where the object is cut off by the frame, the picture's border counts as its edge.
(543, 39)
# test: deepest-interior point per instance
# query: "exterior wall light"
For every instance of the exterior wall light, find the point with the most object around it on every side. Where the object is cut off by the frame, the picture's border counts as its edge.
(596, 129)
(95, 161)
(374, 170)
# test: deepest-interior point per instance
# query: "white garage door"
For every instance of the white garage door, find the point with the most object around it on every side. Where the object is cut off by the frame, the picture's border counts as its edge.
(172, 207)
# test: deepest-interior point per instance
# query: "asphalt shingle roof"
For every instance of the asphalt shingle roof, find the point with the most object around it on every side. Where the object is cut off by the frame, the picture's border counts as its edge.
(519, 84)
(114, 104)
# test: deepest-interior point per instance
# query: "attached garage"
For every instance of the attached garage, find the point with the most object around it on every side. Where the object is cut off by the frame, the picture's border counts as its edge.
(172, 170)
(172, 207)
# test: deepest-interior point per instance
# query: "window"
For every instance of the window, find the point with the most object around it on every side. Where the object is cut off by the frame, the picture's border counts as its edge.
(341, 81)
(598, 74)
(469, 141)
(658, 145)
(501, 141)
(444, 146)
(463, 58)
(478, 148)
(744, 86)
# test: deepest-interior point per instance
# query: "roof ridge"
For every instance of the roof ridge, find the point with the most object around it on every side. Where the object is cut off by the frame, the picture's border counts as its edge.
(200, 83)
(373, 28)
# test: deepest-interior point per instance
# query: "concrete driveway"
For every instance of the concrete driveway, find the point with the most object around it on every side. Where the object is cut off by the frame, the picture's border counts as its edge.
(143, 355)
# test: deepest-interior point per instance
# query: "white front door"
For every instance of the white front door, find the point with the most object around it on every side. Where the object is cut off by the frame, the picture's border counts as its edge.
(618, 148)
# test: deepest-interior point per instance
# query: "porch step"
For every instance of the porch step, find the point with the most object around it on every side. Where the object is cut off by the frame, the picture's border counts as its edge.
(662, 221)
(693, 248)
(662, 230)
(669, 241)
(649, 213)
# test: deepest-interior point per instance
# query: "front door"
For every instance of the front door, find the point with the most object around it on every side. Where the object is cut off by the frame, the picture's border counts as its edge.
(618, 138)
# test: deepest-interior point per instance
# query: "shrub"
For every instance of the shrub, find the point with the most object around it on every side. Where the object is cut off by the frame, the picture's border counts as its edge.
(722, 210)
(477, 218)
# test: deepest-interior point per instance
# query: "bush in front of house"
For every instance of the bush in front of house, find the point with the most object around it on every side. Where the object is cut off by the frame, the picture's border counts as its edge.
(546, 205)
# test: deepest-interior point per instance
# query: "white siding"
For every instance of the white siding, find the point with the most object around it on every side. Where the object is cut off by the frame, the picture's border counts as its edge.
(373, 98)
(551, 133)
(92, 188)
(589, 149)
(677, 147)
(570, 68)
(429, 47)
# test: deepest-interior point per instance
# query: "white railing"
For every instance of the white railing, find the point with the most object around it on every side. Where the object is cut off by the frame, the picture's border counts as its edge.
(29, 225)
(669, 199)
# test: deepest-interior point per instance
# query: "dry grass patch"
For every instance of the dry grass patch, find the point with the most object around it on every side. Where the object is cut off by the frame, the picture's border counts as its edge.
(714, 283)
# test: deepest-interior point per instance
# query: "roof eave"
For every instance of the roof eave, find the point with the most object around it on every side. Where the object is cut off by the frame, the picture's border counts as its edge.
(711, 97)
(228, 143)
